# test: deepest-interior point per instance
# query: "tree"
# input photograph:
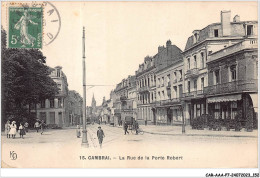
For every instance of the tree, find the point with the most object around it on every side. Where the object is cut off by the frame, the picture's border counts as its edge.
(25, 80)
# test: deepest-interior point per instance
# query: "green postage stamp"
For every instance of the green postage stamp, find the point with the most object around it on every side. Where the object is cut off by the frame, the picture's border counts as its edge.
(25, 27)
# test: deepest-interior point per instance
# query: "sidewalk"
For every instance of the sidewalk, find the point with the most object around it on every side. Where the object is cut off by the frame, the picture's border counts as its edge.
(177, 131)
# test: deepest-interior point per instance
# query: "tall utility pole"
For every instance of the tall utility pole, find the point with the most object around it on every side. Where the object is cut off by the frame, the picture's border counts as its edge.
(84, 131)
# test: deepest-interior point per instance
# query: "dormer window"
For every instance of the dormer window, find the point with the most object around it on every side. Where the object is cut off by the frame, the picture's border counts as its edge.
(58, 72)
(249, 30)
(216, 33)
(196, 37)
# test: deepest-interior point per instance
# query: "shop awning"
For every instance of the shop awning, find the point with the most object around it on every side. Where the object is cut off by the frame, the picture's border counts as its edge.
(254, 98)
(226, 98)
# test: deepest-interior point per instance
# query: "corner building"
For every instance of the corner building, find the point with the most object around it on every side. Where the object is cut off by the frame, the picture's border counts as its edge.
(54, 111)
(199, 47)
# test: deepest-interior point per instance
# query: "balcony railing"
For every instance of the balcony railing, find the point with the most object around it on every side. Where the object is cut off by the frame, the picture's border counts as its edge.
(246, 44)
(170, 101)
(143, 89)
(191, 73)
(230, 87)
(193, 94)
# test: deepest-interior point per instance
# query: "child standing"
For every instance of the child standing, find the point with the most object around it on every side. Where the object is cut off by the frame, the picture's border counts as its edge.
(13, 130)
(7, 129)
(78, 131)
(21, 130)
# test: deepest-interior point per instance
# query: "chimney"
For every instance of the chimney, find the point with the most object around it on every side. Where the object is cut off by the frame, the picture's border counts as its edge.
(225, 23)
(160, 48)
(236, 18)
(168, 43)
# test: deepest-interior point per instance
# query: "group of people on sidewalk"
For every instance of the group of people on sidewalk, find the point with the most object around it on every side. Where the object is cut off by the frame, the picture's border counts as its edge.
(11, 128)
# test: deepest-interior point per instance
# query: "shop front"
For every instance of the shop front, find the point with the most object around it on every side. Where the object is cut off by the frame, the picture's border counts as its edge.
(161, 116)
(197, 108)
(237, 108)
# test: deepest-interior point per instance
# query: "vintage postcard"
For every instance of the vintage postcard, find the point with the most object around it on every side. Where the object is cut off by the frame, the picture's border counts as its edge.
(129, 84)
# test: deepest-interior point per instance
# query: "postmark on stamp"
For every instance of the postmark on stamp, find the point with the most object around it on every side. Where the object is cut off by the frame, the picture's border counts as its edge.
(25, 27)
(51, 23)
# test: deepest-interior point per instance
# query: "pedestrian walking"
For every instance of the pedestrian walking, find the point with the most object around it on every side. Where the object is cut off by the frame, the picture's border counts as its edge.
(136, 127)
(21, 130)
(7, 129)
(13, 129)
(126, 127)
(37, 126)
(78, 133)
(42, 125)
(26, 125)
(100, 135)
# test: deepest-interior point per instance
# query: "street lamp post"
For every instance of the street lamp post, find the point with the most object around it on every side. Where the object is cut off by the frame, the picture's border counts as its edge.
(183, 123)
(84, 131)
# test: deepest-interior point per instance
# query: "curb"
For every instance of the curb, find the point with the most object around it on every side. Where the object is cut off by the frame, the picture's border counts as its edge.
(204, 135)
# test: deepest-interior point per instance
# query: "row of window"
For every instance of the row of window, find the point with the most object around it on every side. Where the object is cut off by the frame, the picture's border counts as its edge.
(168, 78)
(43, 103)
(177, 93)
(195, 64)
(232, 75)
(146, 82)
(146, 98)
(195, 84)
(222, 112)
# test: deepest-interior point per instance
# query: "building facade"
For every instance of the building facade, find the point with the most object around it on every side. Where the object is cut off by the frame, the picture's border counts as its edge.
(199, 46)
(146, 91)
(75, 105)
(124, 102)
(54, 111)
(215, 75)
(169, 94)
(147, 83)
(233, 81)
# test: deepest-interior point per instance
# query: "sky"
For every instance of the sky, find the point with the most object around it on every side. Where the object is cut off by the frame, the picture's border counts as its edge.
(120, 34)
